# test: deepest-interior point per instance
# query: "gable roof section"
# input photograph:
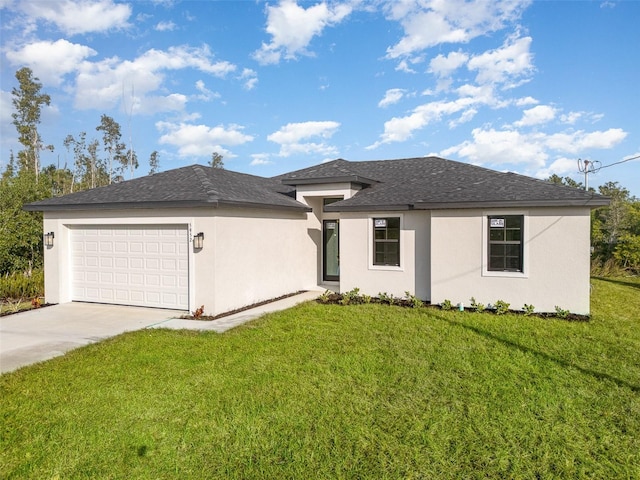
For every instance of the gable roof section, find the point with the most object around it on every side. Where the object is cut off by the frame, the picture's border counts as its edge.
(191, 186)
(337, 171)
(435, 183)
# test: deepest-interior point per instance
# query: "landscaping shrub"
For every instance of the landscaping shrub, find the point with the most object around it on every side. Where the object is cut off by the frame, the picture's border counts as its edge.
(20, 285)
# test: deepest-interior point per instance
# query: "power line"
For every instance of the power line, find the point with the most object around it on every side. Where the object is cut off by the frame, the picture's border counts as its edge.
(621, 161)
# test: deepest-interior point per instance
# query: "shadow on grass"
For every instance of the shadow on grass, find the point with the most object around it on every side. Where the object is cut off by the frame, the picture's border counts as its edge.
(546, 356)
(619, 281)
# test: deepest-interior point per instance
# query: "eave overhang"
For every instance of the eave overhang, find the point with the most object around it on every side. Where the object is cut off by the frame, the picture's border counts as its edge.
(592, 203)
(357, 179)
(156, 205)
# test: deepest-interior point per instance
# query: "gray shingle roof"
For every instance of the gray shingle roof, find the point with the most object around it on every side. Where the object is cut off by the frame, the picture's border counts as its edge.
(436, 183)
(412, 183)
(190, 186)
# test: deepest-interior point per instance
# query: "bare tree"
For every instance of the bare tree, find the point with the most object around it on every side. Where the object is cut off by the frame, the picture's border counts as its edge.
(28, 102)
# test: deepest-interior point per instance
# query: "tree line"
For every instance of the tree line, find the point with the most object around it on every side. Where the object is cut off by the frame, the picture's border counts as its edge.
(95, 162)
(615, 230)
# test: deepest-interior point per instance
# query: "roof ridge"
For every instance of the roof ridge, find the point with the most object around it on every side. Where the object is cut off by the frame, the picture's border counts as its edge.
(209, 189)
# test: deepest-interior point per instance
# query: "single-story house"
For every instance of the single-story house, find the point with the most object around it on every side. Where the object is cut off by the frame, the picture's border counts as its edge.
(436, 228)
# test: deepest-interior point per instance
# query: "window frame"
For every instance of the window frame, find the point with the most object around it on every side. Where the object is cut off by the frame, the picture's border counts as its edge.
(523, 272)
(373, 241)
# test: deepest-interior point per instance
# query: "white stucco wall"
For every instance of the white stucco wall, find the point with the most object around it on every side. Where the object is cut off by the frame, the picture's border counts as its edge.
(556, 259)
(356, 255)
(259, 255)
(248, 255)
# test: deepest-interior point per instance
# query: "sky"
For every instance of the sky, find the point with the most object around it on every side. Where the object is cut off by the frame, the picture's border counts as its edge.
(532, 87)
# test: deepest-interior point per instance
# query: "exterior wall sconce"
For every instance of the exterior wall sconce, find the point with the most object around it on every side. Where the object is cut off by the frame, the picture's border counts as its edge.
(198, 241)
(48, 239)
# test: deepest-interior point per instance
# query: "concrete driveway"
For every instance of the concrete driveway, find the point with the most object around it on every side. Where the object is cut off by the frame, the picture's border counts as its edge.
(38, 335)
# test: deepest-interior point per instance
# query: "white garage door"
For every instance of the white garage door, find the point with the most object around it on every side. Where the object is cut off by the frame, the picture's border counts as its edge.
(131, 265)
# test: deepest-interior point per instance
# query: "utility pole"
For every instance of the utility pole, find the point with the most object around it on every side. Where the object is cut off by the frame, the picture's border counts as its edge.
(587, 167)
(594, 166)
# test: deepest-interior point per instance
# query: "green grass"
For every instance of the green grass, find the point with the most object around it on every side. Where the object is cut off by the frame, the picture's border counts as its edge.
(325, 391)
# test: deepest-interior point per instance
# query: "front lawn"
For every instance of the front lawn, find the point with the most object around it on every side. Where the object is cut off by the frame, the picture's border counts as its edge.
(325, 391)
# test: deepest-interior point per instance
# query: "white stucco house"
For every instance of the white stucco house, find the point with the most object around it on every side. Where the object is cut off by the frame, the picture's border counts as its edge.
(437, 228)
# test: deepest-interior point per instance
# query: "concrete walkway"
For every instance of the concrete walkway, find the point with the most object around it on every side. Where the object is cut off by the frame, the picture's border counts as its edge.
(225, 323)
(38, 335)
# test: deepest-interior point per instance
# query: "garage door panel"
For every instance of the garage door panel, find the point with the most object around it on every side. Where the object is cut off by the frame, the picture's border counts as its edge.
(152, 263)
(134, 266)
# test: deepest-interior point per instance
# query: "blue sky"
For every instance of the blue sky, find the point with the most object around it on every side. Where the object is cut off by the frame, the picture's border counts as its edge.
(529, 87)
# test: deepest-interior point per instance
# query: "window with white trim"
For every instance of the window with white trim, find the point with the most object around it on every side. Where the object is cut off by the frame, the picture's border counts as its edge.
(386, 241)
(505, 252)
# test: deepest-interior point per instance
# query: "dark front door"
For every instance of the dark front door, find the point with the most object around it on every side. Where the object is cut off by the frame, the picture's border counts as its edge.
(331, 250)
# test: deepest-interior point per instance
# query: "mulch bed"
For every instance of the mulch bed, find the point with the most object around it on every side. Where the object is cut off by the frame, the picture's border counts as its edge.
(336, 299)
(238, 310)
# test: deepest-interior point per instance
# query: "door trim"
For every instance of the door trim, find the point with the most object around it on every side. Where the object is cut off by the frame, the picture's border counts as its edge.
(327, 277)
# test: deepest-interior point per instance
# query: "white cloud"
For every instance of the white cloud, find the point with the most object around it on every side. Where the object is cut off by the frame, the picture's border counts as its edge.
(83, 16)
(50, 61)
(466, 116)
(292, 28)
(166, 26)
(205, 95)
(201, 140)
(525, 101)
(403, 66)
(260, 159)
(293, 137)
(250, 78)
(443, 66)
(497, 147)
(510, 146)
(391, 96)
(504, 65)
(427, 23)
(399, 129)
(536, 115)
(562, 166)
(571, 117)
(577, 142)
(103, 84)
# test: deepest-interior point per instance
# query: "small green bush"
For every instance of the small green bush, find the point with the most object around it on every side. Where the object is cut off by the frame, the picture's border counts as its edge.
(414, 301)
(324, 297)
(19, 285)
(561, 313)
(387, 298)
(477, 307)
(352, 296)
(446, 305)
(501, 307)
(528, 309)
